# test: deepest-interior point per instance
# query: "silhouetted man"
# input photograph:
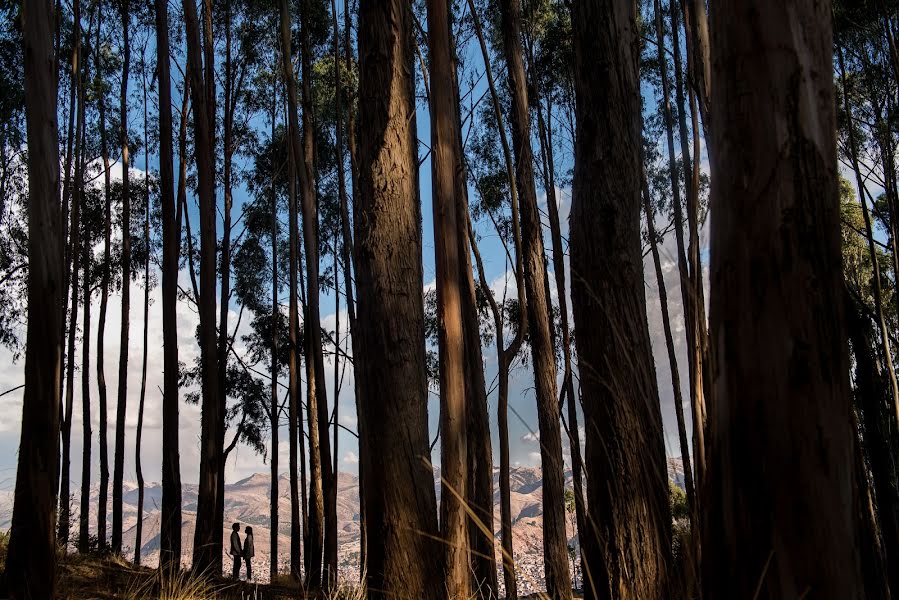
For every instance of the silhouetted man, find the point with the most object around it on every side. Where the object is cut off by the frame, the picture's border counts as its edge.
(236, 551)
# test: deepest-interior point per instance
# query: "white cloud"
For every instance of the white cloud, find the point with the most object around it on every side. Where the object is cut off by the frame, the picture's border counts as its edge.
(350, 458)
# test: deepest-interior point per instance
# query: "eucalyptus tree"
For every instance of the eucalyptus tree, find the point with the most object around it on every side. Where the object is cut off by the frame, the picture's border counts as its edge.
(782, 362)
(627, 545)
(401, 560)
(31, 559)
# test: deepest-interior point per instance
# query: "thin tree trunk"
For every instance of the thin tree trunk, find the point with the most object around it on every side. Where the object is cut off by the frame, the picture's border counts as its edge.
(402, 561)
(274, 409)
(555, 228)
(505, 356)
(121, 404)
(208, 535)
(104, 302)
(86, 250)
(347, 238)
(317, 397)
(170, 516)
(71, 274)
(138, 531)
(872, 251)
(293, 361)
(682, 261)
(693, 325)
(672, 362)
(31, 559)
(872, 398)
(782, 364)
(555, 542)
(451, 340)
(627, 550)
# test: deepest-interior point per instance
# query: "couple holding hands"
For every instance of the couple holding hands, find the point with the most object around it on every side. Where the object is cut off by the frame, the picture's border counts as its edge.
(244, 551)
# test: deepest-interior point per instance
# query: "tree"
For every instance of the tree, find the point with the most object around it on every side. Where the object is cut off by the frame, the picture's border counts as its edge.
(122, 402)
(400, 503)
(207, 536)
(777, 322)
(31, 561)
(170, 514)
(555, 554)
(453, 418)
(628, 543)
(294, 422)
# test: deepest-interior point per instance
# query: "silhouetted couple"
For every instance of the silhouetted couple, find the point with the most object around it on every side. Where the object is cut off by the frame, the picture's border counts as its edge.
(244, 551)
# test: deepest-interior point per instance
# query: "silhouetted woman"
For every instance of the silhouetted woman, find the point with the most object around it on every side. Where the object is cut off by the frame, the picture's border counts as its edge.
(248, 551)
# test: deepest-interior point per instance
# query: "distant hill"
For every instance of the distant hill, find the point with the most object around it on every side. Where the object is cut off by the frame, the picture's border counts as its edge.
(247, 503)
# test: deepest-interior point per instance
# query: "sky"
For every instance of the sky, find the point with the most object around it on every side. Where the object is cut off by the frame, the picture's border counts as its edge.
(243, 461)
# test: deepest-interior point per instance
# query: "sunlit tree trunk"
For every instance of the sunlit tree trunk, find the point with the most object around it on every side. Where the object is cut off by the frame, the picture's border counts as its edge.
(451, 340)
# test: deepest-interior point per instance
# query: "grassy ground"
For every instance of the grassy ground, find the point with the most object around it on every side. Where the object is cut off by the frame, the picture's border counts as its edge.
(93, 578)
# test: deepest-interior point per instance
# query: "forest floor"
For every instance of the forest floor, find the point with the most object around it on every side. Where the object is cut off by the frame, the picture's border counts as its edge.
(89, 577)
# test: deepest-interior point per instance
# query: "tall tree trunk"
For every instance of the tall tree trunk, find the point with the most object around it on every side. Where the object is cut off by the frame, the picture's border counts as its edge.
(782, 364)
(694, 326)
(505, 356)
(451, 339)
(122, 402)
(31, 561)
(555, 541)
(684, 280)
(400, 503)
(872, 251)
(482, 553)
(170, 516)
(873, 399)
(104, 304)
(293, 362)
(627, 550)
(138, 531)
(75, 253)
(347, 237)
(317, 398)
(230, 98)
(274, 408)
(558, 251)
(71, 273)
(208, 535)
(683, 440)
(86, 250)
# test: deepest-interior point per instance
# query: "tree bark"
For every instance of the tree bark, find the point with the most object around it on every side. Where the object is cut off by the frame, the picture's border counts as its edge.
(71, 272)
(170, 515)
(317, 396)
(31, 561)
(208, 535)
(400, 503)
(274, 408)
(104, 300)
(555, 541)
(451, 338)
(294, 424)
(505, 355)
(781, 381)
(628, 546)
(139, 526)
(121, 404)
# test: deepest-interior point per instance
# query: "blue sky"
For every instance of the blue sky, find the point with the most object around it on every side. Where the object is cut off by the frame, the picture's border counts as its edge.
(523, 421)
